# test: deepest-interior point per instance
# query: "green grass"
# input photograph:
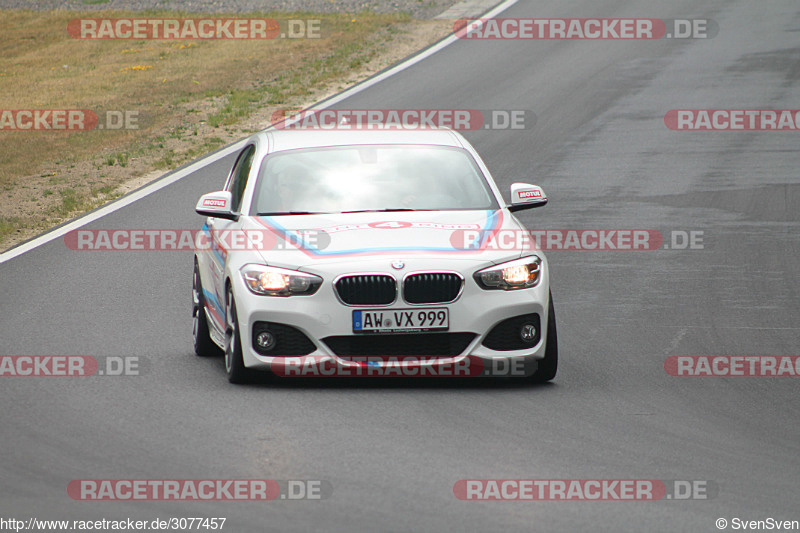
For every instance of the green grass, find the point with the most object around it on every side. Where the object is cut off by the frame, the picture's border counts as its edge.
(69, 202)
(8, 225)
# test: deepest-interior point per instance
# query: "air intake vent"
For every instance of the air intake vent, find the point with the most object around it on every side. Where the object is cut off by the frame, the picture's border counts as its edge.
(420, 344)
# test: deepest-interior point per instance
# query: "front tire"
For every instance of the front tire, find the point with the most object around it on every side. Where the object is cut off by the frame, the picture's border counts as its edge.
(203, 345)
(234, 362)
(548, 366)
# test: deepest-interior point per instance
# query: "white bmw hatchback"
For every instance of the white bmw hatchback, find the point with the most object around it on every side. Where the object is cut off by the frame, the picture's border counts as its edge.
(348, 247)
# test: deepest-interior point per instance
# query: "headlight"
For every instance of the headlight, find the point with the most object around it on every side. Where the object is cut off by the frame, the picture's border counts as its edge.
(275, 281)
(519, 274)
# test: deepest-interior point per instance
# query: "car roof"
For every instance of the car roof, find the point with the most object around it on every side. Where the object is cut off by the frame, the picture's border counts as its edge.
(285, 139)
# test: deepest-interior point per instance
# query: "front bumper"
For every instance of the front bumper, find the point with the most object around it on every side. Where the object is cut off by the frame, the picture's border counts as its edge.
(322, 316)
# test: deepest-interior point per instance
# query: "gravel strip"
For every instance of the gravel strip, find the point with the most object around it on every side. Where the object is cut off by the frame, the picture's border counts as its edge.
(422, 9)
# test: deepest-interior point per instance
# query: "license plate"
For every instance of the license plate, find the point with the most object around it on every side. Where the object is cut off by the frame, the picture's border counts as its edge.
(401, 320)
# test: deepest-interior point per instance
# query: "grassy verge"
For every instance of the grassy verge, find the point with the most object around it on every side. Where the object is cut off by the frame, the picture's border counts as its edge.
(188, 98)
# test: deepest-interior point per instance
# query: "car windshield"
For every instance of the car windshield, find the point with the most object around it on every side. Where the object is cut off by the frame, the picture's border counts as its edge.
(370, 178)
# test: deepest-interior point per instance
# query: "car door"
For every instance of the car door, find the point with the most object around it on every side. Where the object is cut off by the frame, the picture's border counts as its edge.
(218, 253)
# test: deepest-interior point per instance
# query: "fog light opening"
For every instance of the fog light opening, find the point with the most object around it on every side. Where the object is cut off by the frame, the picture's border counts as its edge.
(528, 332)
(265, 340)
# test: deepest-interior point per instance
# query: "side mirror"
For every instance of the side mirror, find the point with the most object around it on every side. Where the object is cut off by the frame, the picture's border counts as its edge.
(526, 196)
(216, 204)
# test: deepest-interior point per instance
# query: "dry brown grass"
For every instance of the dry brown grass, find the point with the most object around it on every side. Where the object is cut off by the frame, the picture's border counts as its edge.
(188, 94)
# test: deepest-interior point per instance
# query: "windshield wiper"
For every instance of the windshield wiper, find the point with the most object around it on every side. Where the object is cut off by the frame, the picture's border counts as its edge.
(384, 210)
(276, 213)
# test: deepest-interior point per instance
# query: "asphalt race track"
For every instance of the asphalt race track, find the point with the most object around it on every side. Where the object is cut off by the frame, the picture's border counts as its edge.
(393, 449)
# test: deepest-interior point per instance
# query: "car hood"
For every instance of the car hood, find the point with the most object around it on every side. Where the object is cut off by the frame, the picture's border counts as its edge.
(312, 240)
